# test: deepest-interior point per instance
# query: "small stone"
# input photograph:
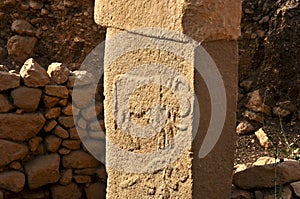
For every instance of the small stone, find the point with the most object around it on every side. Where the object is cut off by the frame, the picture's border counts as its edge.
(64, 151)
(241, 167)
(35, 5)
(58, 73)
(248, 11)
(288, 105)
(265, 19)
(12, 181)
(246, 85)
(33, 74)
(3, 68)
(255, 103)
(63, 102)
(72, 144)
(92, 112)
(57, 91)
(296, 188)
(49, 126)
(53, 113)
(27, 99)
(20, 48)
(11, 151)
(263, 138)
(44, 12)
(34, 143)
(66, 177)
(264, 160)
(52, 143)
(68, 109)
(15, 165)
(244, 127)
(252, 116)
(66, 192)
(82, 179)
(78, 160)
(42, 170)
(60, 132)
(281, 112)
(73, 134)
(82, 78)
(24, 6)
(81, 123)
(66, 121)
(20, 127)
(5, 104)
(50, 101)
(9, 80)
(258, 177)
(95, 190)
(22, 27)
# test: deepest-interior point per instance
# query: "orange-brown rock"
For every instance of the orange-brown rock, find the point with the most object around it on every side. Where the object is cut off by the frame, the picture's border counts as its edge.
(11, 151)
(52, 143)
(66, 121)
(9, 80)
(5, 104)
(27, 99)
(33, 74)
(71, 144)
(22, 27)
(58, 73)
(12, 180)
(50, 101)
(57, 91)
(20, 127)
(42, 170)
(53, 113)
(60, 132)
(78, 160)
(66, 177)
(20, 48)
(263, 176)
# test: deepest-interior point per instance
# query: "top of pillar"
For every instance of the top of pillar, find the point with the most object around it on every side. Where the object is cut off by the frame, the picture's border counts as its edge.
(202, 20)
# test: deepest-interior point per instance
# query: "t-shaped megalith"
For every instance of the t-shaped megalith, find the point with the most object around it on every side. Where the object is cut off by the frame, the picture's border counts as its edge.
(170, 102)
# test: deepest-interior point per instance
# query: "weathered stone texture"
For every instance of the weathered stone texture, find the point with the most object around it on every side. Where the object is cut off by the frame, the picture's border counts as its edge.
(43, 170)
(20, 127)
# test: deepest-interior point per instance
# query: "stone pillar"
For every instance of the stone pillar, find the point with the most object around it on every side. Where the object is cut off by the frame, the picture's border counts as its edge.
(130, 81)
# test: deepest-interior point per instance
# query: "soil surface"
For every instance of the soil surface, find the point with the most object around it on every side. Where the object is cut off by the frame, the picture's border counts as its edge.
(269, 51)
(269, 62)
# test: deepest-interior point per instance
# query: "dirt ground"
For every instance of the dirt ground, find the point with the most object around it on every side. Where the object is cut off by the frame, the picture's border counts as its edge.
(269, 60)
(269, 51)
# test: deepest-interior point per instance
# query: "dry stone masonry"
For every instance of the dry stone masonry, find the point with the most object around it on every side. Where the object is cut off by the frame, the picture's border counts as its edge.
(259, 179)
(41, 154)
